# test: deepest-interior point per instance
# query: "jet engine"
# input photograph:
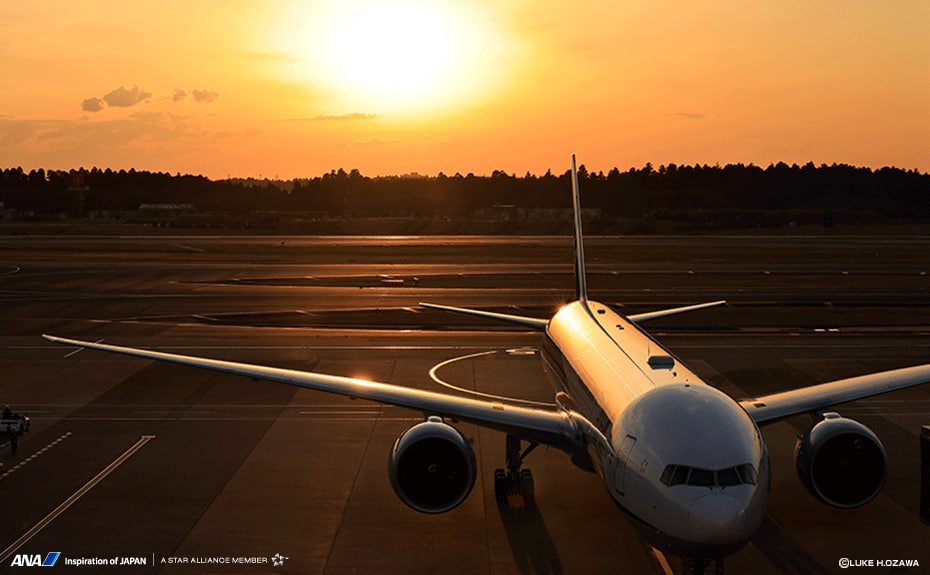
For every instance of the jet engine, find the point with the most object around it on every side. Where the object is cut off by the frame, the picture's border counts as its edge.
(841, 462)
(432, 467)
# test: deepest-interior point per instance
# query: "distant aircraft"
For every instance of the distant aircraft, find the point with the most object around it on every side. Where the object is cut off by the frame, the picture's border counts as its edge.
(685, 463)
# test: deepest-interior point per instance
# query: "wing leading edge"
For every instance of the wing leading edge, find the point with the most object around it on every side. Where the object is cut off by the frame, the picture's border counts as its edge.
(778, 406)
(556, 428)
(531, 322)
(540, 324)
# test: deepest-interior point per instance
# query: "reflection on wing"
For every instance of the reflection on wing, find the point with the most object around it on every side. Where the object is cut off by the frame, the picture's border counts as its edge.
(770, 408)
(556, 428)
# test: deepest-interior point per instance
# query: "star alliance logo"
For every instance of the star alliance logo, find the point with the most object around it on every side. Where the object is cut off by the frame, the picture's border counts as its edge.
(277, 560)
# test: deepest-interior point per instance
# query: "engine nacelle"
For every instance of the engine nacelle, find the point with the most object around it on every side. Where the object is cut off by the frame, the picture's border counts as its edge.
(841, 462)
(432, 467)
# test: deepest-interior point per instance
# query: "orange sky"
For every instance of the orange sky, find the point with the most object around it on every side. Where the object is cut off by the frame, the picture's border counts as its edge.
(297, 88)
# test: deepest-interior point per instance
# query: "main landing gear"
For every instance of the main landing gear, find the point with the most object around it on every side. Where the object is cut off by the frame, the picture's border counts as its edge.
(514, 486)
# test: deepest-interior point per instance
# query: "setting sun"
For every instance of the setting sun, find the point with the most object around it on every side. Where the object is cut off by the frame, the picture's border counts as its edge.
(405, 56)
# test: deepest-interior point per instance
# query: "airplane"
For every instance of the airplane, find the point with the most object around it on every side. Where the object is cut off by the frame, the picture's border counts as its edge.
(685, 463)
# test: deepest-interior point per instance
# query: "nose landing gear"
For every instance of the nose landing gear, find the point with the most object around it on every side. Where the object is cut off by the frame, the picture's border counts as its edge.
(703, 565)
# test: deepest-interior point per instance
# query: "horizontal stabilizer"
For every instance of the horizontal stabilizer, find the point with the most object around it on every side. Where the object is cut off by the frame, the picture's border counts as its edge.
(531, 322)
(641, 317)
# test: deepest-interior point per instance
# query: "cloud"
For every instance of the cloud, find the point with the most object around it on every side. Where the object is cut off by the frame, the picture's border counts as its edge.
(16, 133)
(352, 116)
(123, 98)
(205, 96)
(689, 115)
(92, 105)
(178, 95)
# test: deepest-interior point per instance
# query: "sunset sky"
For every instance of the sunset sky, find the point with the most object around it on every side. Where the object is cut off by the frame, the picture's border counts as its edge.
(297, 88)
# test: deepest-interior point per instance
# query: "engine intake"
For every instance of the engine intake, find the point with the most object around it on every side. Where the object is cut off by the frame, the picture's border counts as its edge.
(432, 467)
(841, 462)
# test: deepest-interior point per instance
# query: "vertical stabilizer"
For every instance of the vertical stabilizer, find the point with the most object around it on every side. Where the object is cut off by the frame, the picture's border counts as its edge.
(581, 288)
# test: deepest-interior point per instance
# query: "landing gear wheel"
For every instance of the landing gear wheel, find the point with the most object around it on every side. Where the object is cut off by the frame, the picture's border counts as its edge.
(500, 485)
(527, 487)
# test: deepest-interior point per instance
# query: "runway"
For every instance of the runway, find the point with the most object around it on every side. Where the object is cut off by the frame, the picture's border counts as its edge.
(207, 473)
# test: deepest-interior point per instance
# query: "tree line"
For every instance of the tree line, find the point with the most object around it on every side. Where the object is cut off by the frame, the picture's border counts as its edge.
(637, 192)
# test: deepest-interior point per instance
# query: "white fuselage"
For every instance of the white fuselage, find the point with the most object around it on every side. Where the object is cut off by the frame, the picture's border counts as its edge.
(682, 460)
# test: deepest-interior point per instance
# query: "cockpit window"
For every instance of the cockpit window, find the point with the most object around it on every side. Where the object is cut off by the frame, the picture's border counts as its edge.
(747, 473)
(729, 477)
(701, 477)
(675, 474)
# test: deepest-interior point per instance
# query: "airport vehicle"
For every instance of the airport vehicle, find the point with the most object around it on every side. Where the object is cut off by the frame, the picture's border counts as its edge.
(15, 422)
(19, 424)
(685, 463)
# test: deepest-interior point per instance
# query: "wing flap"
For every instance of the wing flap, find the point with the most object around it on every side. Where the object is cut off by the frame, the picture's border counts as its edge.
(777, 406)
(555, 428)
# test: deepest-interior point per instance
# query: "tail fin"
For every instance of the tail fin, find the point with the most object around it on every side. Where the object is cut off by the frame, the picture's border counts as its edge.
(581, 288)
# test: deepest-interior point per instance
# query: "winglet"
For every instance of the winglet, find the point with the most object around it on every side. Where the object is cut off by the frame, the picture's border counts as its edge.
(581, 288)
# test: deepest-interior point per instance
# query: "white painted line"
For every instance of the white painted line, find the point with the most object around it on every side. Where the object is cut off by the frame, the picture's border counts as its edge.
(48, 519)
(79, 350)
(190, 248)
(446, 384)
(368, 412)
(276, 347)
(179, 411)
(322, 416)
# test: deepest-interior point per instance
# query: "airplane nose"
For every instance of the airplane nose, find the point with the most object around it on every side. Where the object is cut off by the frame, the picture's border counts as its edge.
(717, 519)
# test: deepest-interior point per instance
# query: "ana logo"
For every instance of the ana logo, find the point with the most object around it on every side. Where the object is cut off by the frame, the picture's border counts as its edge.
(26, 560)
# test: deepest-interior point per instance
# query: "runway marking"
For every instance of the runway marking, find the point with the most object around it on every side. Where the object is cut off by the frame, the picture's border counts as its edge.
(360, 412)
(153, 407)
(48, 519)
(174, 411)
(33, 456)
(278, 347)
(78, 350)
(437, 379)
(190, 248)
(319, 416)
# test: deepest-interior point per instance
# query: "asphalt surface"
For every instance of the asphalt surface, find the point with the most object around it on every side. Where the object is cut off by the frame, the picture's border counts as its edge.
(190, 471)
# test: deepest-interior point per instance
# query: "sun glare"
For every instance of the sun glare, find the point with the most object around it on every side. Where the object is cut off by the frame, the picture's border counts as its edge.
(399, 56)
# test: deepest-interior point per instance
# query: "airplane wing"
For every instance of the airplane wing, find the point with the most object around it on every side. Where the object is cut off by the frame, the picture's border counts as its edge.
(556, 428)
(540, 324)
(641, 317)
(778, 406)
(531, 322)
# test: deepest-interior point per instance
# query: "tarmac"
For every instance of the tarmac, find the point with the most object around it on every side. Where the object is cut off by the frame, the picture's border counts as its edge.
(138, 467)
